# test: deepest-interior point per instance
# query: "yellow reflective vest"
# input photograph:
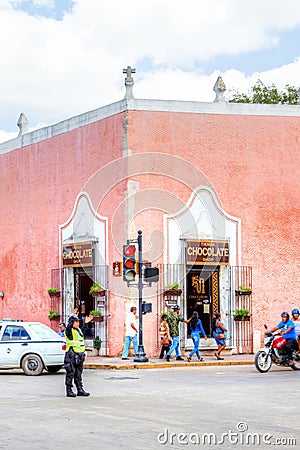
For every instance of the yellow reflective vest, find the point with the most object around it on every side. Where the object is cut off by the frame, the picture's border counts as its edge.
(77, 343)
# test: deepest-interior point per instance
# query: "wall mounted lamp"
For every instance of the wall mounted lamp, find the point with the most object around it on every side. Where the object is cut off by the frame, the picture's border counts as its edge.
(1, 294)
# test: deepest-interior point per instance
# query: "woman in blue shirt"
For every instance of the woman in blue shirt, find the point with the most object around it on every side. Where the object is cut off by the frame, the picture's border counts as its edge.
(219, 333)
(196, 329)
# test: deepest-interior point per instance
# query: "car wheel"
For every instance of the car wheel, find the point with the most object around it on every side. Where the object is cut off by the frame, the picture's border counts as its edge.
(32, 365)
(53, 369)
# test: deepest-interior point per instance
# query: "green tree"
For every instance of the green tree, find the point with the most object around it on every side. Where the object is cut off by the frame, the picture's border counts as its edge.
(259, 93)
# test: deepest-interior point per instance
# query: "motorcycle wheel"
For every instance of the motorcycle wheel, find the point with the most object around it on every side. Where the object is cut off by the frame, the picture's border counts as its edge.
(262, 361)
(296, 365)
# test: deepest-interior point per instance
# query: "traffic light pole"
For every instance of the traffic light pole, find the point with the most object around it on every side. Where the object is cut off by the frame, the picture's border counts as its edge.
(141, 355)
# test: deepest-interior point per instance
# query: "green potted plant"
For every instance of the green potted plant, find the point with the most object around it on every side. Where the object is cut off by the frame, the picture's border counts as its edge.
(97, 315)
(53, 315)
(96, 346)
(243, 290)
(241, 315)
(97, 290)
(172, 289)
(97, 342)
(53, 292)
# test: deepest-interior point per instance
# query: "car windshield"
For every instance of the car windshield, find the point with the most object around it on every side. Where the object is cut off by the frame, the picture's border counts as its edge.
(43, 331)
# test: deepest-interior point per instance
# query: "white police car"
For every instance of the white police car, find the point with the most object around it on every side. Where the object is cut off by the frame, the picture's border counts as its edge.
(31, 346)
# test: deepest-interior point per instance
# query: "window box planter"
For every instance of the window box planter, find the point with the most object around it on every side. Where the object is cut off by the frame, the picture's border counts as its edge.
(176, 292)
(242, 318)
(98, 319)
(53, 315)
(97, 315)
(53, 293)
(97, 290)
(243, 292)
(99, 293)
(241, 315)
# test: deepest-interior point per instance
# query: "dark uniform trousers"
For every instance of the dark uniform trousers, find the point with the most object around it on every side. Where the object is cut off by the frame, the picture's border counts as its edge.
(74, 367)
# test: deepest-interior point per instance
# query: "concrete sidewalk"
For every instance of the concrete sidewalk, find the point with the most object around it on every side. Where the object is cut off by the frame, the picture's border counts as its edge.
(106, 362)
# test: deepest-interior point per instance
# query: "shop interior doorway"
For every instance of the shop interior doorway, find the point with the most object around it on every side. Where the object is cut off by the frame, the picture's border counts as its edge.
(83, 300)
(203, 296)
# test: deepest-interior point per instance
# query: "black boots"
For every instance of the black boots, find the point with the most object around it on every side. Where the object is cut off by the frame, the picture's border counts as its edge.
(82, 393)
(70, 393)
(179, 358)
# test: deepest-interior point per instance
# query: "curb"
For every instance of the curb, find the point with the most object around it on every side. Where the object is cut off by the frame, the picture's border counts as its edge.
(149, 365)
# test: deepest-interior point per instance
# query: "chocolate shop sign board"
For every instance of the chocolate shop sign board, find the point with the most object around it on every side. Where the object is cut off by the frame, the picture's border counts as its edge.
(210, 252)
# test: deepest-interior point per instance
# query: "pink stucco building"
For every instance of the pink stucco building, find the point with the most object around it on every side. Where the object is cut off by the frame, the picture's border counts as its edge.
(214, 187)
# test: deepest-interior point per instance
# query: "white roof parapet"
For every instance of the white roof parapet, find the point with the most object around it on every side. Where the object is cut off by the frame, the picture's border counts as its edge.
(129, 81)
(149, 105)
(22, 124)
(219, 89)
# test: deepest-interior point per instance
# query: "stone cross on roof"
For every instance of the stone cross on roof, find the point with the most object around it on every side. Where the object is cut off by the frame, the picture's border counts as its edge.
(129, 82)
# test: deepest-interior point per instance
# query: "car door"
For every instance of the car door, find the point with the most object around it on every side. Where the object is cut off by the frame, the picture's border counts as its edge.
(15, 341)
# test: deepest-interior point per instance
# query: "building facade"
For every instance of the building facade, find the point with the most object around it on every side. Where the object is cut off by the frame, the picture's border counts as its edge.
(214, 188)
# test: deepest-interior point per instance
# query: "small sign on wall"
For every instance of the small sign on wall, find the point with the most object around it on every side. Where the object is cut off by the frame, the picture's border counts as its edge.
(117, 269)
(206, 308)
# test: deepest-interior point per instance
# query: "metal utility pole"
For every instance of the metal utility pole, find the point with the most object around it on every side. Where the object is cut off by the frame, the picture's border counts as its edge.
(141, 356)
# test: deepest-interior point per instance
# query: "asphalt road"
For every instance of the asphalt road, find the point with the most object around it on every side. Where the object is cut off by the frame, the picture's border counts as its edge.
(207, 407)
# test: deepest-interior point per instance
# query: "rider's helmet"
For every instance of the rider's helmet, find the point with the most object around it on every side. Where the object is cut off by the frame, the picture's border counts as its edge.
(295, 311)
(285, 314)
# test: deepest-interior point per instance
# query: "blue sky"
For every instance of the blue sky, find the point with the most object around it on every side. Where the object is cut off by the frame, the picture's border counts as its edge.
(60, 58)
(53, 9)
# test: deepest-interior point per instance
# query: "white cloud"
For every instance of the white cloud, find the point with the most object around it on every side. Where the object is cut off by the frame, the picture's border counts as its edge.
(51, 70)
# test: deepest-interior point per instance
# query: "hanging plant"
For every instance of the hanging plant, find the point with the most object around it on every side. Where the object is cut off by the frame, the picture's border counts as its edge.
(97, 315)
(243, 290)
(241, 315)
(97, 290)
(53, 315)
(53, 292)
(172, 289)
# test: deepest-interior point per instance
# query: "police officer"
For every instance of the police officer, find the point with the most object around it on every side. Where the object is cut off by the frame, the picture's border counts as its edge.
(75, 356)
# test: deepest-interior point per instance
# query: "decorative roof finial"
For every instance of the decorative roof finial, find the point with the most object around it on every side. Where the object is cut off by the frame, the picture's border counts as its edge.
(129, 82)
(219, 89)
(22, 124)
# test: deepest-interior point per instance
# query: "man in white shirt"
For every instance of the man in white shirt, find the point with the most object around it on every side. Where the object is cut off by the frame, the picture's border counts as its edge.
(130, 333)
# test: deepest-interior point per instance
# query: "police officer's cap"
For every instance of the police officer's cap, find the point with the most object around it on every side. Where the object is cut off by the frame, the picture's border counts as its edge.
(72, 319)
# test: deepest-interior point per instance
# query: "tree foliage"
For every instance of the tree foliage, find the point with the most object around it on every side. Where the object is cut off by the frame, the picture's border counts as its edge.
(259, 93)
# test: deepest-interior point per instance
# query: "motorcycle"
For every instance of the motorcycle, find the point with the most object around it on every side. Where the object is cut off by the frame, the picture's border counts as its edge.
(274, 351)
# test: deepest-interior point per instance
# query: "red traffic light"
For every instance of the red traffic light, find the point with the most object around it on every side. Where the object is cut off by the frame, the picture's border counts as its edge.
(129, 263)
(129, 250)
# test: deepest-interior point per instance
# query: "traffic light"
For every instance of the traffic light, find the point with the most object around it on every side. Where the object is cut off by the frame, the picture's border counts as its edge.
(129, 262)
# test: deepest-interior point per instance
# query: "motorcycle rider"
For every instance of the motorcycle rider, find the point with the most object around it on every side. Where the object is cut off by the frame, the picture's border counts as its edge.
(296, 320)
(287, 329)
